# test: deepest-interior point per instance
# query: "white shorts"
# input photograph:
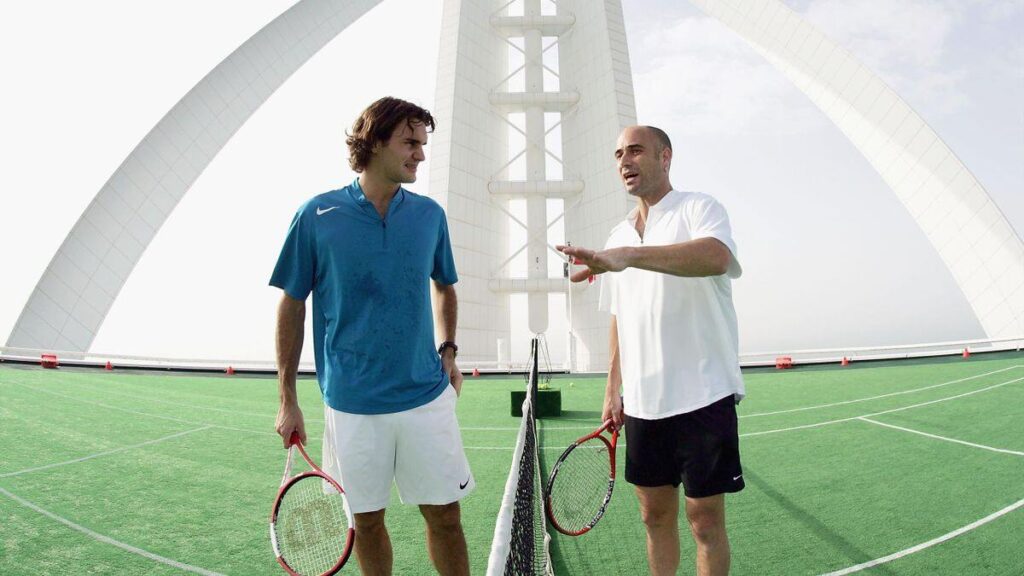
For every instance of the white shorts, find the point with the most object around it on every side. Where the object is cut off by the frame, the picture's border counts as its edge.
(420, 449)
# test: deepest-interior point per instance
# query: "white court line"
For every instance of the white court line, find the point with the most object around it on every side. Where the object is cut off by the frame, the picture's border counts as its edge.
(173, 419)
(138, 413)
(816, 407)
(817, 424)
(498, 448)
(597, 423)
(492, 428)
(271, 416)
(617, 446)
(133, 384)
(104, 390)
(308, 419)
(185, 405)
(937, 437)
(928, 544)
(109, 540)
(507, 428)
(98, 454)
(878, 397)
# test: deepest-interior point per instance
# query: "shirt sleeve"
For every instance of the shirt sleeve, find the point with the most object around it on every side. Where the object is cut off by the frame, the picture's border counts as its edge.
(444, 261)
(296, 265)
(712, 221)
(608, 296)
(608, 301)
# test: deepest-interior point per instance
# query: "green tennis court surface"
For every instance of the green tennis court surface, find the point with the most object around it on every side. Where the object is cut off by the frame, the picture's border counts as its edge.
(125, 473)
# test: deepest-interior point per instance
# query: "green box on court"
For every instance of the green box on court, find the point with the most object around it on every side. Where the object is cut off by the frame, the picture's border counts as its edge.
(549, 403)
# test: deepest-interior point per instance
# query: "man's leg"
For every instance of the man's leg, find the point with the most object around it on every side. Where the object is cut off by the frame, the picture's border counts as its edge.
(445, 539)
(431, 467)
(373, 545)
(707, 524)
(659, 508)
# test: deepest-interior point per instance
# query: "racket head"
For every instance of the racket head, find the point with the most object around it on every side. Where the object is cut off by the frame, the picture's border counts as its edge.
(312, 530)
(581, 482)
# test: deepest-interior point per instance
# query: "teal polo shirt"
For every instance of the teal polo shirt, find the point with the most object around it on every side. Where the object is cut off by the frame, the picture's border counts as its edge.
(373, 327)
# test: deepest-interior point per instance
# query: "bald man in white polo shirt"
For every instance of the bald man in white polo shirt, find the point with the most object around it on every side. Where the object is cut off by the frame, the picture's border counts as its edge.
(674, 376)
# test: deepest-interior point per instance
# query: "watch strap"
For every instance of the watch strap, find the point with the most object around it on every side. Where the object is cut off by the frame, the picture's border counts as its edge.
(448, 344)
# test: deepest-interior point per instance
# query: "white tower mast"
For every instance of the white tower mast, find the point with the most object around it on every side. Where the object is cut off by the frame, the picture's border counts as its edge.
(474, 183)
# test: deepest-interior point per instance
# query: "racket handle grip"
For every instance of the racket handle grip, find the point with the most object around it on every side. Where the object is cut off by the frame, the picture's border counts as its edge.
(294, 438)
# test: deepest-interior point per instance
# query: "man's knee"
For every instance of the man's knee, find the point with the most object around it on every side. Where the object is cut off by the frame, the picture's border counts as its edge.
(659, 506)
(367, 522)
(444, 517)
(655, 516)
(706, 519)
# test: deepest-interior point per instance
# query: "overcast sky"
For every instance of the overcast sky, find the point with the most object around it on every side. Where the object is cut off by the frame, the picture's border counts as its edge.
(831, 258)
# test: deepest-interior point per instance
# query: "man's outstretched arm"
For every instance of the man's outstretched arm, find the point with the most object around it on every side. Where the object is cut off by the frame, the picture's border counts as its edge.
(693, 258)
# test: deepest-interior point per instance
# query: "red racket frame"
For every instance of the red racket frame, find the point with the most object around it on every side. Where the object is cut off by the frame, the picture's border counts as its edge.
(287, 484)
(611, 477)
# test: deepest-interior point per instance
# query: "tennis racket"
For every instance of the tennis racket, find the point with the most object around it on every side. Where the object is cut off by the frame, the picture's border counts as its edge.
(581, 482)
(311, 527)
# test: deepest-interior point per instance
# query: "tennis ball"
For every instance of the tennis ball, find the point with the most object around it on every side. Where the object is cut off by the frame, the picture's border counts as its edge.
(571, 384)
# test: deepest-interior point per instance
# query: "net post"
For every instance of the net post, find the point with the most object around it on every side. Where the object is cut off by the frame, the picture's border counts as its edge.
(534, 370)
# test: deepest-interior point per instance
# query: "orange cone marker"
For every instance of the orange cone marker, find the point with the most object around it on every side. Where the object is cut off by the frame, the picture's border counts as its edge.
(476, 371)
(109, 366)
(967, 353)
(230, 370)
(845, 362)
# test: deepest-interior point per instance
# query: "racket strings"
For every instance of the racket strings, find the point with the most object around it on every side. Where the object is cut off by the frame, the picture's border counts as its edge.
(580, 489)
(311, 526)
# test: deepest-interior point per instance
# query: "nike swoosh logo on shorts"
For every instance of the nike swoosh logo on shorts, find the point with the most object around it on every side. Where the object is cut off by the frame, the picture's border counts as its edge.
(320, 212)
(466, 483)
(735, 478)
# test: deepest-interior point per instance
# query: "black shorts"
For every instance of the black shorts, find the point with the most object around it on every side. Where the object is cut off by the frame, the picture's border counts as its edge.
(699, 449)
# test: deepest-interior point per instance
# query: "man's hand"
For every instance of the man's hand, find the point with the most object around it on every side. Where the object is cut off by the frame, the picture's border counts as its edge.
(596, 262)
(612, 410)
(289, 419)
(452, 370)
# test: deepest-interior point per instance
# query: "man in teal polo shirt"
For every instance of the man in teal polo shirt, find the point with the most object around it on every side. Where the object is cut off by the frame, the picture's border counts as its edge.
(368, 253)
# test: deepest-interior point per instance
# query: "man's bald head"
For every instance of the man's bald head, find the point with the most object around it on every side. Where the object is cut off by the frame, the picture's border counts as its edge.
(660, 136)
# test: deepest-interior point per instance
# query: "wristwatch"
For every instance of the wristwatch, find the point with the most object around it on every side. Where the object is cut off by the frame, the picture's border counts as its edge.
(448, 344)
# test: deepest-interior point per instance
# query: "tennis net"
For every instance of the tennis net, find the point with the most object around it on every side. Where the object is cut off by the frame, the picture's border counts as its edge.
(520, 546)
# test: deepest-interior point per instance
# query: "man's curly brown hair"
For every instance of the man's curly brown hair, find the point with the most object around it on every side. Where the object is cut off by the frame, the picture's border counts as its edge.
(377, 123)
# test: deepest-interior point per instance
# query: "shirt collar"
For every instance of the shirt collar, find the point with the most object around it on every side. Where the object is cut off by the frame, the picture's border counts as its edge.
(654, 213)
(356, 193)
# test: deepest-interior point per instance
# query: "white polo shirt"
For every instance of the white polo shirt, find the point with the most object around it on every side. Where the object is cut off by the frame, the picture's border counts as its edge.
(678, 341)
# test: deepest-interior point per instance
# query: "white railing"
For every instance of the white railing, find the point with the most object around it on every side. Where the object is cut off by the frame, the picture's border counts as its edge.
(752, 359)
(133, 361)
(854, 354)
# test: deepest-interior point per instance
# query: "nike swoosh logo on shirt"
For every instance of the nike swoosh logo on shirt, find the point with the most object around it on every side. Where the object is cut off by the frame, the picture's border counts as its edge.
(466, 483)
(320, 212)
